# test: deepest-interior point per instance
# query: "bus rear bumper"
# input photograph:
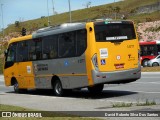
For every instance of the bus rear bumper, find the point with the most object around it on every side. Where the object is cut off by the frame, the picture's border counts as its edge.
(116, 77)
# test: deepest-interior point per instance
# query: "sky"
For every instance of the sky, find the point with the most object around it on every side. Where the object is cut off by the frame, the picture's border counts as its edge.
(23, 10)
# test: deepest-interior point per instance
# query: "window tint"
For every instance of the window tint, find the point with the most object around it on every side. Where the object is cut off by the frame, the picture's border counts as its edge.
(50, 47)
(158, 57)
(67, 44)
(22, 51)
(11, 55)
(35, 49)
(81, 42)
(148, 50)
(158, 48)
(108, 32)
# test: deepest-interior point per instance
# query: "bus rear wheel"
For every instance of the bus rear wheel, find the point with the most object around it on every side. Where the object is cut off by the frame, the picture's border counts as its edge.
(57, 87)
(96, 88)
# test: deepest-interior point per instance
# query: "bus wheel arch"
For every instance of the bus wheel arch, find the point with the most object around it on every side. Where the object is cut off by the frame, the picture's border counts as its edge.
(15, 84)
(57, 86)
(144, 62)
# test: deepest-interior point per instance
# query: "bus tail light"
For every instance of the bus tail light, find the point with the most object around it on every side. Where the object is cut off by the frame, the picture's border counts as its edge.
(94, 61)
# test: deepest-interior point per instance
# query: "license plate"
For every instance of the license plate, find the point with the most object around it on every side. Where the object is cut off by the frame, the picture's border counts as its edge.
(119, 66)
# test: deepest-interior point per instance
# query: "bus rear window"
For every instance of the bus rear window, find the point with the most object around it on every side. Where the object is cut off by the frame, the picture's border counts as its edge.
(114, 31)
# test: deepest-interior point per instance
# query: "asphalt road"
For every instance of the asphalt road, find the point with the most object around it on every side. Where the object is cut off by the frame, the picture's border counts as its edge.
(146, 88)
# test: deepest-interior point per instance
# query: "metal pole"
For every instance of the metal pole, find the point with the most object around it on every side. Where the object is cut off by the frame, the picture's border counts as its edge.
(2, 20)
(48, 14)
(70, 17)
(115, 14)
(53, 6)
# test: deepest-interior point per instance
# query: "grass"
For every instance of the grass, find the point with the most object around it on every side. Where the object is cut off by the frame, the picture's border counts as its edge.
(15, 108)
(147, 103)
(151, 69)
(118, 105)
(123, 104)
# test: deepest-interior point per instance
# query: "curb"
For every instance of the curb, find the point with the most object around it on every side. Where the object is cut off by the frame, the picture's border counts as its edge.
(155, 73)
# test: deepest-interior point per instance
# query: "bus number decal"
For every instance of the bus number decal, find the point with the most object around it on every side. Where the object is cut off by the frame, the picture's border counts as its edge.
(104, 53)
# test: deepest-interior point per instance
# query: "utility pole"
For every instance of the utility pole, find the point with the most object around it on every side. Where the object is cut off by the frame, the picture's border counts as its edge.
(53, 6)
(115, 14)
(2, 20)
(48, 14)
(70, 16)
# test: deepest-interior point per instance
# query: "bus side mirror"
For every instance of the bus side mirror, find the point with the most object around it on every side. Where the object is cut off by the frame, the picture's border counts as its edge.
(5, 53)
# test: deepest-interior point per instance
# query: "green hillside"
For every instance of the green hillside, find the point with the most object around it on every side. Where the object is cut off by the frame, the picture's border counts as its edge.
(126, 7)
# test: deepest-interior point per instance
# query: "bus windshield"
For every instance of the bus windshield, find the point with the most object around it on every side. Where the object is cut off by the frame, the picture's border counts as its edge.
(114, 31)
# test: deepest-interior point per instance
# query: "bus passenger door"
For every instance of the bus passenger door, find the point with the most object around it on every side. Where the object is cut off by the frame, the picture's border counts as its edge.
(10, 67)
(25, 75)
(24, 66)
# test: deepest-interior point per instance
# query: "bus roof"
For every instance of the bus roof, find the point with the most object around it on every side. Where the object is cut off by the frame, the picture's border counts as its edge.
(20, 38)
(66, 27)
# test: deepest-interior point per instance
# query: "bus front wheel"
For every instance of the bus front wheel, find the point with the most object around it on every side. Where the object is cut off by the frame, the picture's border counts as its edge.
(57, 87)
(96, 88)
(17, 89)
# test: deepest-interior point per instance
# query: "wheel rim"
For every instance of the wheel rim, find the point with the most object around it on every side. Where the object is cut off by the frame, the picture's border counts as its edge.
(58, 88)
(16, 86)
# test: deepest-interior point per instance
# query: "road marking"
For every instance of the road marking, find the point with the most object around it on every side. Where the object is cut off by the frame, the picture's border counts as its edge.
(145, 92)
(150, 77)
(146, 82)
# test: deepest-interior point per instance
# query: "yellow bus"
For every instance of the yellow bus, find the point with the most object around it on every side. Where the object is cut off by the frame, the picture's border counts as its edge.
(74, 55)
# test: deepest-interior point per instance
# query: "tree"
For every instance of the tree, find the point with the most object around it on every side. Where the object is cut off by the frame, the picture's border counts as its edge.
(117, 9)
(17, 23)
(88, 4)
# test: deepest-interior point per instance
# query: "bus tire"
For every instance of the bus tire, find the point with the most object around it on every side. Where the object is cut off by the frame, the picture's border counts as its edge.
(57, 87)
(16, 86)
(17, 89)
(144, 62)
(155, 64)
(96, 88)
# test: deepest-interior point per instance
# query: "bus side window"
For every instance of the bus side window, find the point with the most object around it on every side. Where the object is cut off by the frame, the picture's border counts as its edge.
(50, 47)
(22, 51)
(67, 44)
(158, 49)
(81, 42)
(35, 49)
